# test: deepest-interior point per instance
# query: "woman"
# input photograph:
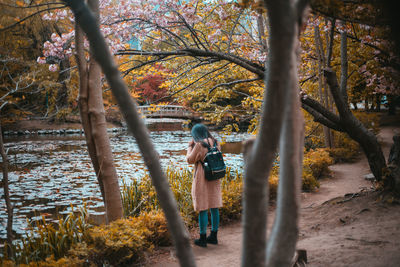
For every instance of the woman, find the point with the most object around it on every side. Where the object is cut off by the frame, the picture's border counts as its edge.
(205, 194)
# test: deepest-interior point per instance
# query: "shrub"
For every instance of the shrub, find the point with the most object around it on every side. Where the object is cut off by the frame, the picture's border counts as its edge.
(124, 241)
(342, 154)
(315, 165)
(232, 188)
(273, 185)
(309, 182)
(317, 162)
(49, 239)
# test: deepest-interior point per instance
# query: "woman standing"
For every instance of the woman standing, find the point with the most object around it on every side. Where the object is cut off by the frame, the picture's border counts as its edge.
(206, 194)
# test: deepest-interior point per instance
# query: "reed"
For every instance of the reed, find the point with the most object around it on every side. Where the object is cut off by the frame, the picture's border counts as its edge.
(47, 239)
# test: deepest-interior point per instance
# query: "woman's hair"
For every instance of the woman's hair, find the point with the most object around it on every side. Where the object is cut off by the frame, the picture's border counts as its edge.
(200, 132)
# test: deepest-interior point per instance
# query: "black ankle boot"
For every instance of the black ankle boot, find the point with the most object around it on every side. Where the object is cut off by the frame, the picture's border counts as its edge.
(212, 238)
(202, 241)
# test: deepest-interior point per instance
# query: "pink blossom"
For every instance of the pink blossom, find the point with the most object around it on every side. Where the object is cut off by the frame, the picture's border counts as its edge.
(41, 60)
(53, 37)
(53, 67)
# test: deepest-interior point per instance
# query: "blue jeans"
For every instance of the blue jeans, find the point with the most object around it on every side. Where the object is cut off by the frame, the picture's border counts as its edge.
(203, 220)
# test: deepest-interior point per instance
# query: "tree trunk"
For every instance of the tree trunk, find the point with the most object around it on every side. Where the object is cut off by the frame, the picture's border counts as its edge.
(392, 105)
(83, 103)
(62, 93)
(95, 127)
(279, 90)
(324, 97)
(9, 206)
(261, 32)
(392, 181)
(282, 241)
(343, 65)
(378, 99)
(356, 130)
(107, 172)
(179, 233)
(366, 104)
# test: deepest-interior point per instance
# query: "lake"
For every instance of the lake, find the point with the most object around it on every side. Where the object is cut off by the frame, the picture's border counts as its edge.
(49, 173)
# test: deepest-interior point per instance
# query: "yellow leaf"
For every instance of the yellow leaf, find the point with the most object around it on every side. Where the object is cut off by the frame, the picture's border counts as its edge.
(19, 3)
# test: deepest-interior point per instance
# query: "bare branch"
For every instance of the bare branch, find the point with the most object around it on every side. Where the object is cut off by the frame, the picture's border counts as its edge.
(28, 17)
(250, 66)
(155, 25)
(32, 6)
(192, 32)
(233, 83)
(247, 95)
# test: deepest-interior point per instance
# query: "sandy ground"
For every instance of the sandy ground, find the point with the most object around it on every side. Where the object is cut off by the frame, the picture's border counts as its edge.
(344, 223)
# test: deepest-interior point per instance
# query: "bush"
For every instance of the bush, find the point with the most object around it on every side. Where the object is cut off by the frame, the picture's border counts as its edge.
(315, 165)
(124, 242)
(316, 162)
(309, 182)
(232, 188)
(49, 239)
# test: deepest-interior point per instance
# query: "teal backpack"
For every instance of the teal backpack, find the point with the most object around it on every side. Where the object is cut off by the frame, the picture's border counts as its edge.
(213, 163)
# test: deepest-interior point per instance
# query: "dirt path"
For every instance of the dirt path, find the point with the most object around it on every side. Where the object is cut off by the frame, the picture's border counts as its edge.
(342, 224)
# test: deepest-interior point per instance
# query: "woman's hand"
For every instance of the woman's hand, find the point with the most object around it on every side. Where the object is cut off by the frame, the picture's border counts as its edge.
(191, 143)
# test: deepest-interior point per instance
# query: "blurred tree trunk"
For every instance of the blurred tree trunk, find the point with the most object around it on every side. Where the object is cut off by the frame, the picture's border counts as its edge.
(281, 109)
(101, 52)
(9, 206)
(95, 127)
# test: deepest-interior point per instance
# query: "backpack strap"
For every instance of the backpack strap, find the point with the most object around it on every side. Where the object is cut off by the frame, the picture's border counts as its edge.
(208, 146)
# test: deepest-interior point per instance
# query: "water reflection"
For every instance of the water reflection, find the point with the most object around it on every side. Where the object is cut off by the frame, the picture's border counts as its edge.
(49, 174)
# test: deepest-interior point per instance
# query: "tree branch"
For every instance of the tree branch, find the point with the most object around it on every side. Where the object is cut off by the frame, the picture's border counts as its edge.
(233, 83)
(28, 17)
(315, 105)
(250, 66)
(318, 117)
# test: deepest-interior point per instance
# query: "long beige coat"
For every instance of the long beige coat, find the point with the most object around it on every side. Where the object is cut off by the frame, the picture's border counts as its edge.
(205, 194)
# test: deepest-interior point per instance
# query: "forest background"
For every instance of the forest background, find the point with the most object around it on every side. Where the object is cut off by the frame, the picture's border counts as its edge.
(210, 58)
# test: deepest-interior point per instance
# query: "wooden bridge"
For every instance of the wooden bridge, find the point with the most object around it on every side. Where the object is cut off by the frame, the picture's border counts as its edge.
(167, 111)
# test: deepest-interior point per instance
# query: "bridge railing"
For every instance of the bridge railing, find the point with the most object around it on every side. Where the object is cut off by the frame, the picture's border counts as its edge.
(165, 110)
